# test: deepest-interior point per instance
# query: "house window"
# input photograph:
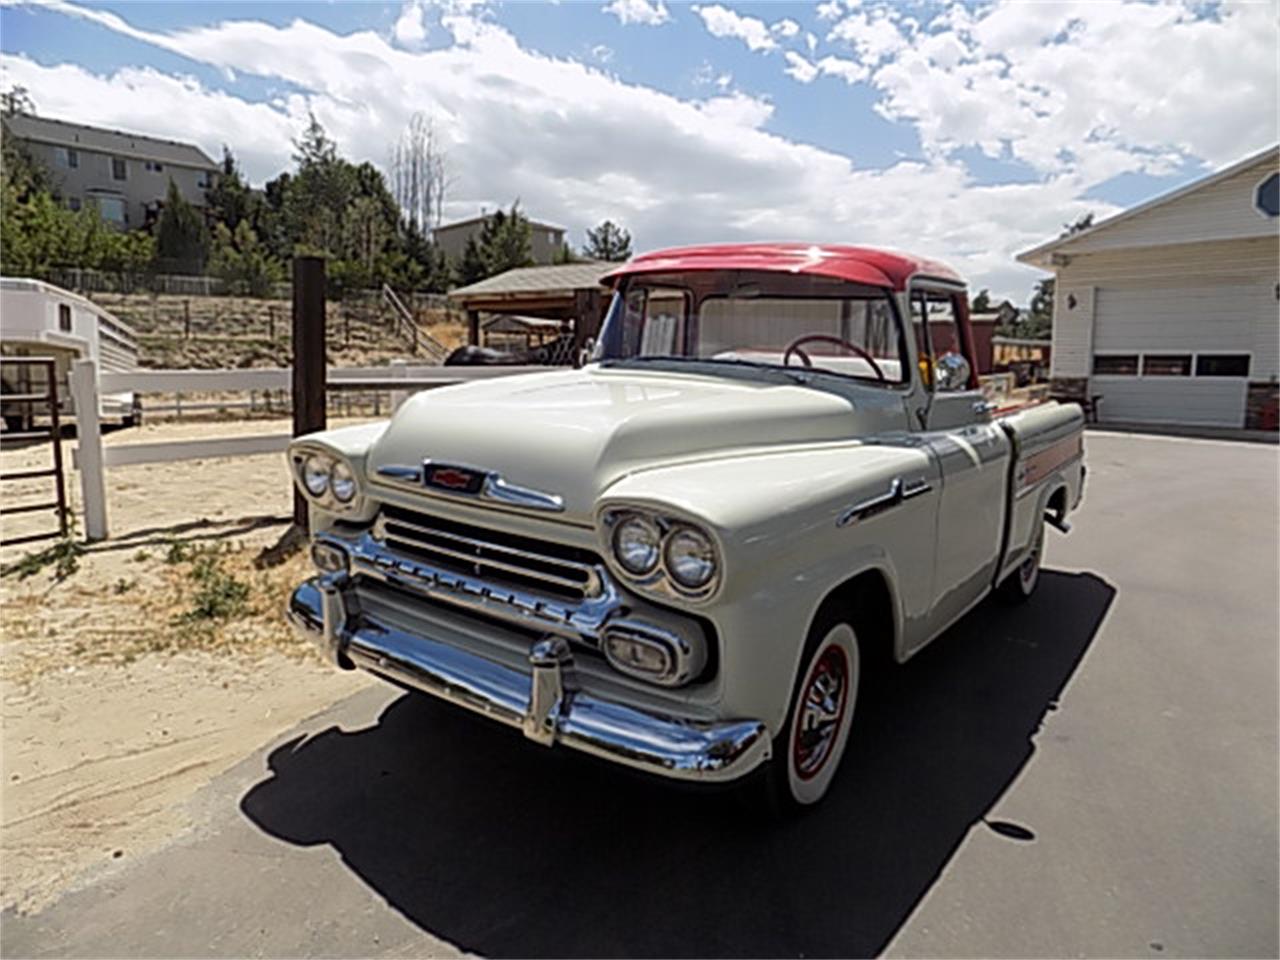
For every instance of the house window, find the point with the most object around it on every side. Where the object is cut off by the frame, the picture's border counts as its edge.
(1222, 365)
(205, 180)
(73, 204)
(1166, 365)
(1116, 365)
(119, 169)
(66, 157)
(111, 209)
(64, 317)
(153, 167)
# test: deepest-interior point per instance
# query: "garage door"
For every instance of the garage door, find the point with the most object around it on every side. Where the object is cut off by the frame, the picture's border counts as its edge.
(1176, 355)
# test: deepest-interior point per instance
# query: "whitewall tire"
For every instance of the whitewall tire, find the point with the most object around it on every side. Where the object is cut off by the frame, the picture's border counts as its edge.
(810, 748)
(1021, 584)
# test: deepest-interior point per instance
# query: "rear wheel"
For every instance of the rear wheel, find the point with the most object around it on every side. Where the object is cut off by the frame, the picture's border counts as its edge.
(1020, 584)
(807, 751)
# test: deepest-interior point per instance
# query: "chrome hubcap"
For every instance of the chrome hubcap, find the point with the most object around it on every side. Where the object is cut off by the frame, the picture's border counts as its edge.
(821, 711)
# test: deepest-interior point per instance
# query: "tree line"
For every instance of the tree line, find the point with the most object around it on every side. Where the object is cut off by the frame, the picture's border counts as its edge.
(370, 228)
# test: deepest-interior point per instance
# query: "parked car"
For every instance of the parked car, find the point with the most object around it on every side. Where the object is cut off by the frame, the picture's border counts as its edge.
(685, 556)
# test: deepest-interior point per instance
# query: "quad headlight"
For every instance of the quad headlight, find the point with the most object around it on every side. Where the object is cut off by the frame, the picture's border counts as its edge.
(637, 544)
(661, 553)
(690, 558)
(315, 474)
(326, 479)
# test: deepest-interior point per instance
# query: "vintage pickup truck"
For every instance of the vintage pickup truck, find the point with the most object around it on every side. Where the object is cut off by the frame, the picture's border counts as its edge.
(775, 471)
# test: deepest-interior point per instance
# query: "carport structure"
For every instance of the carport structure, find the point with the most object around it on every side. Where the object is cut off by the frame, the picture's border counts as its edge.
(570, 292)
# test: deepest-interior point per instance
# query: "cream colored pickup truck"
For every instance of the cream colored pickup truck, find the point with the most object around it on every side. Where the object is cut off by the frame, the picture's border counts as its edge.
(775, 472)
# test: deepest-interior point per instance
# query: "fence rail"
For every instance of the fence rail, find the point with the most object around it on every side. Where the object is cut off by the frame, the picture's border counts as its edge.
(92, 458)
(184, 285)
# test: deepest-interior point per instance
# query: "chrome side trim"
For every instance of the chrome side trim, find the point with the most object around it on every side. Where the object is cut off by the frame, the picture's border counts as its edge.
(495, 487)
(543, 703)
(500, 491)
(401, 474)
(899, 490)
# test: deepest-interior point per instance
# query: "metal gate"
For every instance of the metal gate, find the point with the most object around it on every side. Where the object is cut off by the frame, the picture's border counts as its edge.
(22, 401)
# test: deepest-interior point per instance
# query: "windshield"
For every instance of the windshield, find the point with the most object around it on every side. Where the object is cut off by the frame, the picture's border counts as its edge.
(756, 318)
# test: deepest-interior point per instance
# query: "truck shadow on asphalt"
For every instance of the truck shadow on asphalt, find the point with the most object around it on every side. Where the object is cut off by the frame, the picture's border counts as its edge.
(508, 849)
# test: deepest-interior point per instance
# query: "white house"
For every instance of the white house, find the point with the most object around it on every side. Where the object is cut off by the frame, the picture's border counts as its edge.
(1170, 312)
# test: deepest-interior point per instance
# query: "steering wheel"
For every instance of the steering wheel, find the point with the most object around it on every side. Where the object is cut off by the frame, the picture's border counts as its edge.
(794, 347)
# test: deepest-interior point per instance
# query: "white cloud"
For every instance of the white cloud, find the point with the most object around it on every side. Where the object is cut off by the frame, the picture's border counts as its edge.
(648, 13)
(723, 22)
(806, 71)
(1130, 89)
(849, 71)
(799, 68)
(602, 53)
(786, 28)
(874, 37)
(811, 42)
(1089, 89)
(410, 29)
(829, 10)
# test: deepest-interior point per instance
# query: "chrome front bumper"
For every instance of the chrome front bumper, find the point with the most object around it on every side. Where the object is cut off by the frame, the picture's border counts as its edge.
(545, 703)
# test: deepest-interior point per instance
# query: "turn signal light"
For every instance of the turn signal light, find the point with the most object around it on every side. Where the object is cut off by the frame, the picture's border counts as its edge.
(637, 655)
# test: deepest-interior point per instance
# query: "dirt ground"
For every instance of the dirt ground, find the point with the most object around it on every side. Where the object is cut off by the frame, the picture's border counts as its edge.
(135, 670)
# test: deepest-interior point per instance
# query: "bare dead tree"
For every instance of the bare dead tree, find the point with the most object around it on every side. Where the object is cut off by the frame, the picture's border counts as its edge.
(418, 173)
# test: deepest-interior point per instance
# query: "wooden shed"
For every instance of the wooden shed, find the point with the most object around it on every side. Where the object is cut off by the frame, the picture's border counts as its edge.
(566, 292)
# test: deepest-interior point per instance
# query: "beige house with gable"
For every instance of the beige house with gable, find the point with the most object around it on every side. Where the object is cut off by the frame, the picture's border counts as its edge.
(124, 175)
(1170, 311)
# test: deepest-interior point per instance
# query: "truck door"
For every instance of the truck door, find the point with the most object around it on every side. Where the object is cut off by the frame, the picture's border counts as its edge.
(972, 451)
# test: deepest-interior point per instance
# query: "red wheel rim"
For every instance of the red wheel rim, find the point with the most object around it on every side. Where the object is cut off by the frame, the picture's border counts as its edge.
(823, 700)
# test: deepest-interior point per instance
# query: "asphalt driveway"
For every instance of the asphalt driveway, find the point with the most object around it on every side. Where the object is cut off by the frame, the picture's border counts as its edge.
(1091, 774)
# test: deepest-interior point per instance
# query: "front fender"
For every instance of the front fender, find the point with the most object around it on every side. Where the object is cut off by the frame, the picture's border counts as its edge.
(775, 517)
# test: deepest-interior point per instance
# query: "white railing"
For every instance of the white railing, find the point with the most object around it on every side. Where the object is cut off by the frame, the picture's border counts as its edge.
(88, 385)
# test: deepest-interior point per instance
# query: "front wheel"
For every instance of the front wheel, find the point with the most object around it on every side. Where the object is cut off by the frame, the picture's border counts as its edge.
(807, 752)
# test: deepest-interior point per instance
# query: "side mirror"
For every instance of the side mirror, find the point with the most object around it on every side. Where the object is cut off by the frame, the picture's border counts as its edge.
(951, 373)
(586, 354)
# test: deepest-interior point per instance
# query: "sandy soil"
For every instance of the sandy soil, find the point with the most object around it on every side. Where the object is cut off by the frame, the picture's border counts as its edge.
(158, 663)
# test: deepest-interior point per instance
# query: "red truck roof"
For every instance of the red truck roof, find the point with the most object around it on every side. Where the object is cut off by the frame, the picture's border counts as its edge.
(880, 268)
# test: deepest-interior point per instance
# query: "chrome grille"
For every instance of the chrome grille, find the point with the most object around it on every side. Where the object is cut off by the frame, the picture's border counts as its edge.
(566, 572)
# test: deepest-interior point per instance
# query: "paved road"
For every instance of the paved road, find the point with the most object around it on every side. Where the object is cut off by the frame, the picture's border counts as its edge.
(1092, 774)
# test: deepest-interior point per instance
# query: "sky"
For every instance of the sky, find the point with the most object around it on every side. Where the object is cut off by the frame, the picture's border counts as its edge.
(961, 131)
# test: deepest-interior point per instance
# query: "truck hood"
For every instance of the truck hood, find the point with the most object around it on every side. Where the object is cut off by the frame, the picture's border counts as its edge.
(572, 433)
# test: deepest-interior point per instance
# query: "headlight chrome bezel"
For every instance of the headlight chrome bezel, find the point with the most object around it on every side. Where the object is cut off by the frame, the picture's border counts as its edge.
(659, 579)
(304, 461)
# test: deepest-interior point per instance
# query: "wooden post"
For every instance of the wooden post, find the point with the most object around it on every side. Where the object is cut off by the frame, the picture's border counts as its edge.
(271, 323)
(399, 371)
(308, 357)
(587, 306)
(473, 327)
(186, 319)
(84, 393)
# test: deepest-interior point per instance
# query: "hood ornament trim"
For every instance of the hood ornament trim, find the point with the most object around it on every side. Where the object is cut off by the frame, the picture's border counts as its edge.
(494, 488)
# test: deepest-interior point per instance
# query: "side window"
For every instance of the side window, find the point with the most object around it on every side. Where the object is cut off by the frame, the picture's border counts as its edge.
(935, 322)
(64, 317)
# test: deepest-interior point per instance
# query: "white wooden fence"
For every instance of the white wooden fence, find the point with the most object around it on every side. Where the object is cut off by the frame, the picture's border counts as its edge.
(92, 458)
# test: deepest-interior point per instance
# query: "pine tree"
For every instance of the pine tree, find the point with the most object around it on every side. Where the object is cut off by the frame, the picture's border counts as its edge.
(182, 242)
(608, 242)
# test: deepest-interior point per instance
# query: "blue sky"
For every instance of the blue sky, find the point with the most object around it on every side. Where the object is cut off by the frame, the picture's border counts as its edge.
(962, 131)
